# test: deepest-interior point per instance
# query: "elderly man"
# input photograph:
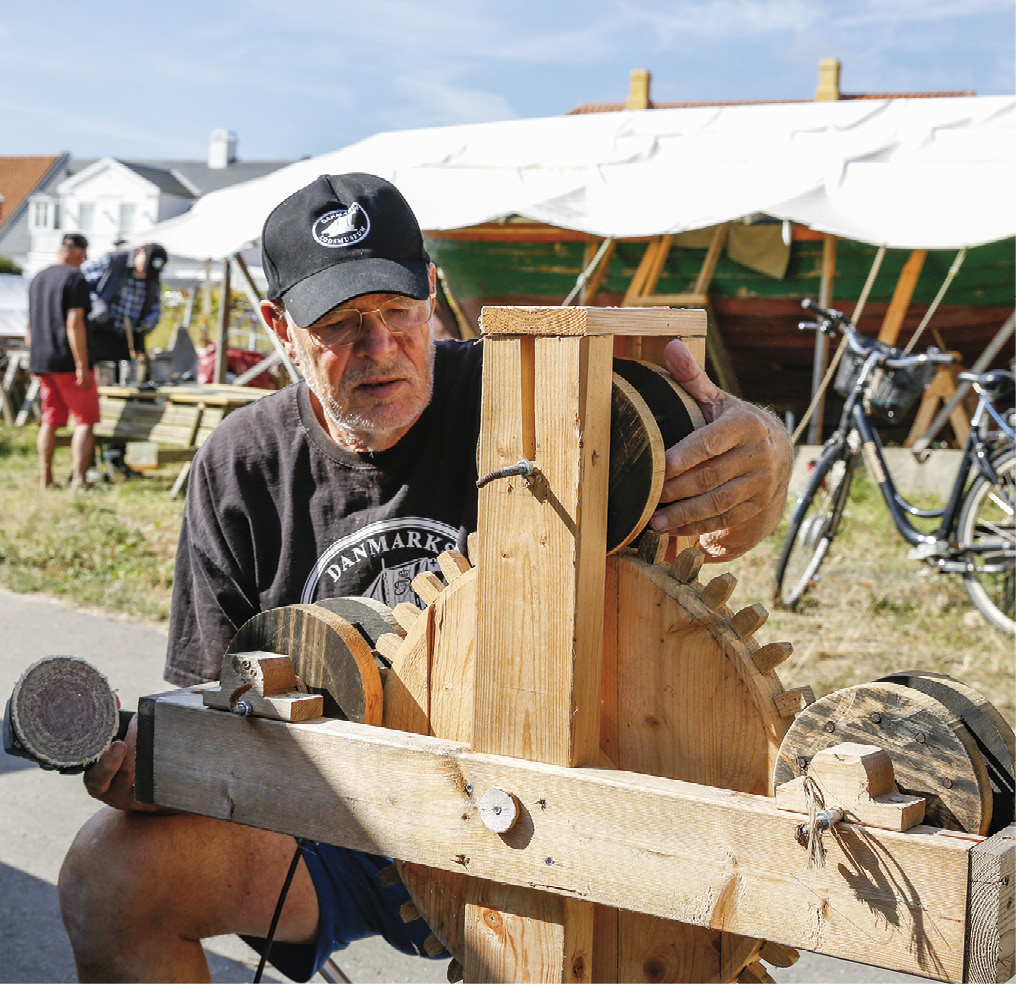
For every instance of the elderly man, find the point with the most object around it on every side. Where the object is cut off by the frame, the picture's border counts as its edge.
(378, 444)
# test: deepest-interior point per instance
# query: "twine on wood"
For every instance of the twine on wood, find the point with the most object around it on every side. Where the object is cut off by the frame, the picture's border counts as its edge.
(819, 821)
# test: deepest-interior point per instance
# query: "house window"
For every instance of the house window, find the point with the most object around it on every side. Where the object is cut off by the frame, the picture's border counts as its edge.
(86, 216)
(42, 214)
(127, 213)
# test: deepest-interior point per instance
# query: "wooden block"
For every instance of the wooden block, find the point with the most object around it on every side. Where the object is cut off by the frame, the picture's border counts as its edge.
(860, 780)
(452, 564)
(267, 682)
(792, 702)
(769, 656)
(719, 589)
(389, 645)
(687, 565)
(779, 956)
(749, 620)
(992, 909)
(406, 614)
(428, 586)
(565, 321)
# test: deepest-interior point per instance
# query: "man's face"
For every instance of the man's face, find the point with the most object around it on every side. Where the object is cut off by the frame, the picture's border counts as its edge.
(139, 262)
(372, 391)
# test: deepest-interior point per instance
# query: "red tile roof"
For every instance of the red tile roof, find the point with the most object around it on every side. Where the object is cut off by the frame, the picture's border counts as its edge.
(19, 177)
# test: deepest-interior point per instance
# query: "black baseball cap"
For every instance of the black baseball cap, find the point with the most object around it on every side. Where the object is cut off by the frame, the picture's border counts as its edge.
(341, 236)
(75, 239)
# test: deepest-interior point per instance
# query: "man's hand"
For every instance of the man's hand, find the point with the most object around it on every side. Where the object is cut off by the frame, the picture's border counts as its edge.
(83, 377)
(726, 481)
(111, 778)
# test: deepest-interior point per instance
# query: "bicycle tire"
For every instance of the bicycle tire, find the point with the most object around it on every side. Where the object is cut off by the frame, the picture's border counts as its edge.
(987, 514)
(814, 523)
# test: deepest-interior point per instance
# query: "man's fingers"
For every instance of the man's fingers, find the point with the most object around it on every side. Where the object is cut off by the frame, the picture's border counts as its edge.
(100, 775)
(687, 373)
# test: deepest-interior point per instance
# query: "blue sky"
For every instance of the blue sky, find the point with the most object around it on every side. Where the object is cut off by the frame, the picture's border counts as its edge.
(302, 77)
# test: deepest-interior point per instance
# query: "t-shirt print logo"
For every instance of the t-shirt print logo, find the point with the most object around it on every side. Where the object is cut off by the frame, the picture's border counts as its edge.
(341, 227)
(379, 560)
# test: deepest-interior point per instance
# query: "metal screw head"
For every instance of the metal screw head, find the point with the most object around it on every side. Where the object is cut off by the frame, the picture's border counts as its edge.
(875, 717)
(802, 762)
(921, 738)
(468, 790)
(830, 726)
(948, 783)
(244, 708)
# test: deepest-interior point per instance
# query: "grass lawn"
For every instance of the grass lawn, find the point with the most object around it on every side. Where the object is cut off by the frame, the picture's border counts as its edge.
(873, 611)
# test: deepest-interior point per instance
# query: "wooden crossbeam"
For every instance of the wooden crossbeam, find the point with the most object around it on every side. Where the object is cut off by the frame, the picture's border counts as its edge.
(705, 856)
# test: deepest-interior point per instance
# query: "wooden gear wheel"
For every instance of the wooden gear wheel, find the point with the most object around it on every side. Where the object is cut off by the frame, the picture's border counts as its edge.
(688, 693)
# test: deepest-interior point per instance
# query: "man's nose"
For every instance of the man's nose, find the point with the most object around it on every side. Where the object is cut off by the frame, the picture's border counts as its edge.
(374, 335)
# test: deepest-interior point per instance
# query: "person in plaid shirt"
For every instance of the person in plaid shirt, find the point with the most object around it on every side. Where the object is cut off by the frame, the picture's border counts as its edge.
(125, 292)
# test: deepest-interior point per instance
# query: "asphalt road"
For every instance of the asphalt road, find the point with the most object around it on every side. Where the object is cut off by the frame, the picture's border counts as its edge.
(41, 811)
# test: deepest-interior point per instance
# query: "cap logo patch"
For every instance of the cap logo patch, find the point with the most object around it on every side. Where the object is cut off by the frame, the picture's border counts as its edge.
(341, 227)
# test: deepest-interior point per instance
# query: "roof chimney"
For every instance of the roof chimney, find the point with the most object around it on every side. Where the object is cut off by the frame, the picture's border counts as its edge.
(828, 80)
(221, 149)
(638, 95)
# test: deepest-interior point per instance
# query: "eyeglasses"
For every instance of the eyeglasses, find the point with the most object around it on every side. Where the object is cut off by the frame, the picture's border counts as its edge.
(399, 314)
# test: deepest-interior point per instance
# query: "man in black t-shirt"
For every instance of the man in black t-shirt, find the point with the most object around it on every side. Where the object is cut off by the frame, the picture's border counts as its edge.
(59, 358)
(345, 484)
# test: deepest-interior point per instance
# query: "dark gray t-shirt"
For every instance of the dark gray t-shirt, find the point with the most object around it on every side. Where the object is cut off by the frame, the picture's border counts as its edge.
(278, 514)
(54, 291)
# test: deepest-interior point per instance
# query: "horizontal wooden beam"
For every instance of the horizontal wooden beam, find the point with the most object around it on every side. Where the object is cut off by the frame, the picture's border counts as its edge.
(709, 857)
(687, 323)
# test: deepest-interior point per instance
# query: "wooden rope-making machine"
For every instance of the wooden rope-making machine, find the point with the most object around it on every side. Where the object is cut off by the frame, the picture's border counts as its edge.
(580, 757)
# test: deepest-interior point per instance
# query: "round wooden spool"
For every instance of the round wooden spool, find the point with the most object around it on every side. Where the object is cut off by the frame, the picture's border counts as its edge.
(63, 712)
(933, 754)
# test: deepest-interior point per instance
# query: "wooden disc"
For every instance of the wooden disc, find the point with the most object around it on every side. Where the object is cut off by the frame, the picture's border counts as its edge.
(933, 754)
(63, 712)
(991, 732)
(329, 655)
(637, 463)
(676, 418)
(372, 618)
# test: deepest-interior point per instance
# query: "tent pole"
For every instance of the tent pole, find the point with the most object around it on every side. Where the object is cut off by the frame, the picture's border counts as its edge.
(825, 299)
(255, 302)
(222, 335)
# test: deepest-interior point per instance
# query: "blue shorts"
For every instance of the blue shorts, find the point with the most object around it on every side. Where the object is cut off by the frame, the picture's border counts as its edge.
(353, 904)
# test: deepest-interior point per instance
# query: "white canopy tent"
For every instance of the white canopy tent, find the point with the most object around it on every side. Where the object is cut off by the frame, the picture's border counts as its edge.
(930, 173)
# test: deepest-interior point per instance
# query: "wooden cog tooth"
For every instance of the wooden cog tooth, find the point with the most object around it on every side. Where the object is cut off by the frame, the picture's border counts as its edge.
(388, 875)
(755, 973)
(473, 548)
(651, 547)
(769, 656)
(749, 620)
(428, 586)
(792, 702)
(454, 971)
(409, 912)
(779, 955)
(719, 589)
(432, 946)
(453, 564)
(687, 565)
(388, 645)
(406, 614)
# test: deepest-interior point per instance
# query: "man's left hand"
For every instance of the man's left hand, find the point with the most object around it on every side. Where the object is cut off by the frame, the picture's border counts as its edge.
(727, 481)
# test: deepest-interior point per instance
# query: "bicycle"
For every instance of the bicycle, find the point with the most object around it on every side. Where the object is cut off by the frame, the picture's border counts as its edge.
(976, 534)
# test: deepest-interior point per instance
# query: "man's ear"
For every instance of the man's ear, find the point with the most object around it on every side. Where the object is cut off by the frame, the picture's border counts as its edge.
(432, 277)
(275, 318)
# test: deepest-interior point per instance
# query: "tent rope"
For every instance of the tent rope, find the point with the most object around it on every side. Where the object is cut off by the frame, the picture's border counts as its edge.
(933, 307)
(588, 272)
(834, 364)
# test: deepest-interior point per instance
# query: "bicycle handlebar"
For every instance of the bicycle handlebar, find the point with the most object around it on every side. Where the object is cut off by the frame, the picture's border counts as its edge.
(836, 322)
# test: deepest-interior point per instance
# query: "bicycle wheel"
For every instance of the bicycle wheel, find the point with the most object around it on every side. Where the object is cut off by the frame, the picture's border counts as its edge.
(813, 524)
(987, 529)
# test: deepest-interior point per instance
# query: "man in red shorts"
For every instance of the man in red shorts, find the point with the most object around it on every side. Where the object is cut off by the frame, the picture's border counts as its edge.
(57, 338)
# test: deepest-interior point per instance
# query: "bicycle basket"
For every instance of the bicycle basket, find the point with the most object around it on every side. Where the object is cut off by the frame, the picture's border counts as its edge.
(892, 392)
(847, 372)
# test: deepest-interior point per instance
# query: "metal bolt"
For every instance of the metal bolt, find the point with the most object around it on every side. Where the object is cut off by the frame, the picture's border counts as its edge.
(921, 739)
(244, 708)
(802, 762)
(875, 717)
(523, 468)
(830, 726)
(548, 860)
(948, 783)
(469, 790)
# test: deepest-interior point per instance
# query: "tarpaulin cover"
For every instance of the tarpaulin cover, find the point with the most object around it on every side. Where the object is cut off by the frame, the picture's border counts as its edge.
(932, 173)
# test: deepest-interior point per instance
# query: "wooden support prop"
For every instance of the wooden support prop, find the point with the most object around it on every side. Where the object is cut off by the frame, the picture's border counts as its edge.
(897, 310)
(267, 684)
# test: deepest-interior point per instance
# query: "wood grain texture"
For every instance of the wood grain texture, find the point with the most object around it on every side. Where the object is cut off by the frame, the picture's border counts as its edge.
(991, 936)
(932, 754)
(570, 321)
